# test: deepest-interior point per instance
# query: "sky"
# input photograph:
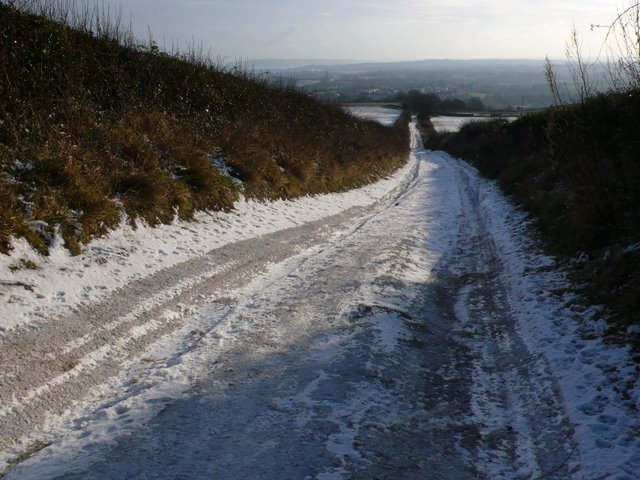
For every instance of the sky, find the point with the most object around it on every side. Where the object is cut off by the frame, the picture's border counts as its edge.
(375, 30)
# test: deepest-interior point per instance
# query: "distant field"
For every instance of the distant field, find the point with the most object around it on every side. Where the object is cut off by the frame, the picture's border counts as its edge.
(385, 115)
(445, 124)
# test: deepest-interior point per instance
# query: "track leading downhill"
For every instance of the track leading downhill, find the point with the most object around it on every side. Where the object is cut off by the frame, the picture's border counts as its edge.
(386, 347)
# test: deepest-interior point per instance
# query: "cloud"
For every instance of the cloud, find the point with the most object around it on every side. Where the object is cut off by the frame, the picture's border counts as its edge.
(375, 29)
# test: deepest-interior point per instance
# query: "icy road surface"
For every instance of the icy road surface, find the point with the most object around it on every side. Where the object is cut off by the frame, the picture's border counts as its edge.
(413, 338)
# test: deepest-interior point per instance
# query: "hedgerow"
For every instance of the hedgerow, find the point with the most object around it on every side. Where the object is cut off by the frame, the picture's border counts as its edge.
(94, 124)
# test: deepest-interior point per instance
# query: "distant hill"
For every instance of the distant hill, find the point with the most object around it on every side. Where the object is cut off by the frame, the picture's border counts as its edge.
(282, 63)
(500, 84)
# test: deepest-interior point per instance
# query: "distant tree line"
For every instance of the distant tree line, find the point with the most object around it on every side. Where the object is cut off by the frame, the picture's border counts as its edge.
(427, 104)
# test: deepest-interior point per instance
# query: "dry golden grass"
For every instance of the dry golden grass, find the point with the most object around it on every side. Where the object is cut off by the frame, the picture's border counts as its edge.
(91, 126)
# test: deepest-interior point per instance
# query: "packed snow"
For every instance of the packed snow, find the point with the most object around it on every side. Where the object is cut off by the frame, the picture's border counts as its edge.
(417, 331)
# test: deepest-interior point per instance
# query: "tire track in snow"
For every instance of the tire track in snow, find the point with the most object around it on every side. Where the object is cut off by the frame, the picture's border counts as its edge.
(389, 352)
(524, 429)
(328, 367)
(48, 366)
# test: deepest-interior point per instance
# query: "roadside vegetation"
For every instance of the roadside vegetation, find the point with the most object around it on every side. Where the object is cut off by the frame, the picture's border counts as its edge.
(576, 169)
(95, 124)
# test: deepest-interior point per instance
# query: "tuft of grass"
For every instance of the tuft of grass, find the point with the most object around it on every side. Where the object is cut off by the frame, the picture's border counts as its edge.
(24, 264)
(94, 123)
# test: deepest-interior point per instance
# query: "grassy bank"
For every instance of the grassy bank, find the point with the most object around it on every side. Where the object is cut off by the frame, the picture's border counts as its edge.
(93, 124)
(576, 170)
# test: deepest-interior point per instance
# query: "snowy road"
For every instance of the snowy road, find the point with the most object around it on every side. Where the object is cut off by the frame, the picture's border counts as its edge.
(383, 342)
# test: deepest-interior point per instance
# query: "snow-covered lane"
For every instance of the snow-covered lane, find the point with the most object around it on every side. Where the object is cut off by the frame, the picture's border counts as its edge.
(317, 368)
(409, 340)
(339, 362)
(83, 316)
